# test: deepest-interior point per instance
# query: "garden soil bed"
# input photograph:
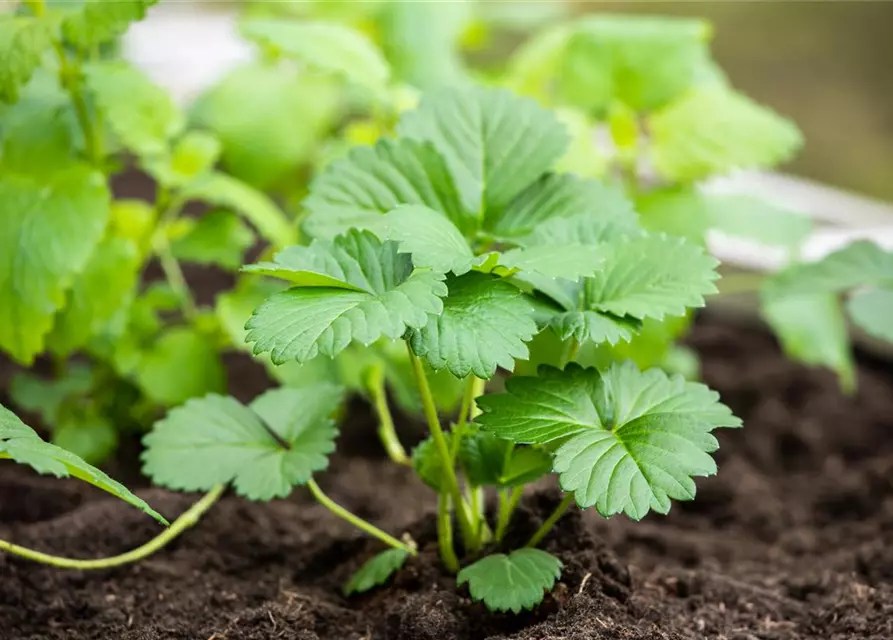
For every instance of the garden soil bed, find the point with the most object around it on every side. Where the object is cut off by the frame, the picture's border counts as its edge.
(793, 539)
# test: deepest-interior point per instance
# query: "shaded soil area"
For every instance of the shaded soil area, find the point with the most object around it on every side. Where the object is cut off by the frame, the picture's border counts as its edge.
(791, 540)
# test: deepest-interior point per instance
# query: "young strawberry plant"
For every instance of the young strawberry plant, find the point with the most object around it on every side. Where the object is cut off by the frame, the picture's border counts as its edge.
(456, 238)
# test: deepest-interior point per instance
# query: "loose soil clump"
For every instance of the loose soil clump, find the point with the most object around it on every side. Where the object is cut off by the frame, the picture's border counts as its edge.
(792, 540)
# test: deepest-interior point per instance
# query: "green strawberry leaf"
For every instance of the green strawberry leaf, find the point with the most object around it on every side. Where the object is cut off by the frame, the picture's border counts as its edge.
(193, 155)
(861, 263)
(376, 571)
(101, 291)
(271, 135)
(325, 46)
(430, 238)
(92, 23)
(179, 365)
(511, 582)
(494, 142)
(21, 443)
(560, 196)
(872, 310)
(91, 437)
(484, 324)
(142, 115)
(812, 329)
(23, 40)
(628, 441)
(72, 208)
(427, 462)
(45, 398)
(491, 461)
(354, 289)
(759, 220)
(277, 442)
(715, 131)
(219, 238)
(253, 205)
(354, 191)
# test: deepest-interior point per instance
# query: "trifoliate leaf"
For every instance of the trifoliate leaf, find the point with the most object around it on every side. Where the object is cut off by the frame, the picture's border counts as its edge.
(484, 324)
(812, 329)
(278, 129)
(641, 61)
(256, 207)
(862, 263)
(23, 41)
(326, 46)
(715, 131)
(72, 208)
(376, 571)
(755, 219)
(92, 23)
(19, 442)
(216, 439)
(354, 289)
(179, 365)
(494, 142)
(557, 196)
(512, 582)
(491, 461)
(219, 237)
(97, 294)
(142, 115)
(630, 441)
(872, 310)
(353, 192)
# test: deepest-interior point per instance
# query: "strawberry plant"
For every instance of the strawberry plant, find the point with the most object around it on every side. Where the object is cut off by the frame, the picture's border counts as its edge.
(445, 241)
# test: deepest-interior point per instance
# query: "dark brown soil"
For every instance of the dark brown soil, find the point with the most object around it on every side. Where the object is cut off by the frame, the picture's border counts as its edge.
(793, 539)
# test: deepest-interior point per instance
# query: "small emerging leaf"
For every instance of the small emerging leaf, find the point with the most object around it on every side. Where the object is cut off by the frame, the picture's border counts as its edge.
(20, 443)
(216, 439)
(512, 582)
(376, 571)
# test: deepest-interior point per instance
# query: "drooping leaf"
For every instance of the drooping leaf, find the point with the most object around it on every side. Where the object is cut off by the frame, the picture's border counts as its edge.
(275, 131)
(561, 196)
(219, 237)
(48, 231)
(142, 115)
(512, 582)
(715, 131)
(216, 439)
(20, 443)
(23, 41)
(91, 23)
(812, 329)
(861, 263)
(97, 294)
(872, 310)
(495, 143)
(179, 365)
(630, 441)
(484, 324)
(354, 289)
(256, 207)
(376, 571)
(353, 192)
(326, 46)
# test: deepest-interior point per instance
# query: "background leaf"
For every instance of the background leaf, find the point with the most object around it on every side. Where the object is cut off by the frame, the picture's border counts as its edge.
(218, 237)
(872, 310)
(179, 365)
(23, 41)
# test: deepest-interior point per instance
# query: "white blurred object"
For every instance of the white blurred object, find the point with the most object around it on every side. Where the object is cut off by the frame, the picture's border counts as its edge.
(187, 47)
